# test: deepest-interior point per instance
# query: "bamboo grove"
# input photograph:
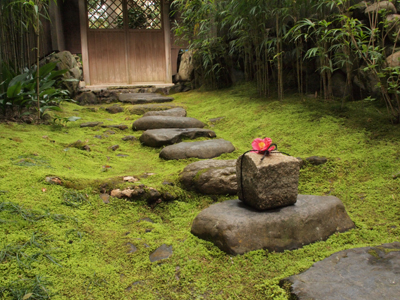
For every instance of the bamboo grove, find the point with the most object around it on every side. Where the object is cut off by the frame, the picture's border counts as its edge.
(299, 45)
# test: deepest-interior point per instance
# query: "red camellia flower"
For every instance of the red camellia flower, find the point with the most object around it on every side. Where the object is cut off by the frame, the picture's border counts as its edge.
(261, 145)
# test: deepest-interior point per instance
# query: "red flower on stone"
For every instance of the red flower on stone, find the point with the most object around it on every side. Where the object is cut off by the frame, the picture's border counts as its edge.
(262, 145)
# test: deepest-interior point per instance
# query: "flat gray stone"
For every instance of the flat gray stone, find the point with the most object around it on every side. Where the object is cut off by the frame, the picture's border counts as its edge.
(202, 149)
(143, 108)
(157, 122)
(173, 112)
(211, 177)
(237, 228)
(143, 98)
(91, 124)
(162, 252)
(368, 273)
(280, 178)
(121, 126)
(162, 137)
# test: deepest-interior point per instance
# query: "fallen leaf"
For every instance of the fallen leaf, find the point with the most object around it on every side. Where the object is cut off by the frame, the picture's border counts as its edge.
(44, 190)
(27, 296)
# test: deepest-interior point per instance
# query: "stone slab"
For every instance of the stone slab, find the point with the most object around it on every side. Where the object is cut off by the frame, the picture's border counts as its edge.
(162, 252)
(268, 182)
(143, 98)
(157, 122)
(169, 136)
(367, 273)
(210, 177)
(202, 149)
(237, 228)
(173, 112)
(141, 109)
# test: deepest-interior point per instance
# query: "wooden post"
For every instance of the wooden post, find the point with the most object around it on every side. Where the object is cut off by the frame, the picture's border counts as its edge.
(167, 40)
(83, 18)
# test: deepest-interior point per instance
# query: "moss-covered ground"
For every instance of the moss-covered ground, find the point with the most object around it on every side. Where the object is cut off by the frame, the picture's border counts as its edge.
(81, 252)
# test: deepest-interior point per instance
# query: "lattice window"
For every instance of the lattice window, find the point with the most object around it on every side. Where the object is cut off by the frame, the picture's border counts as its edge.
(105, 14)
(144, 14)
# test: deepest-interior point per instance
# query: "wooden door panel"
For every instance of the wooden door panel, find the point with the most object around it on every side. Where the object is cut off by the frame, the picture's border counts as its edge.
(146, 56)
(107, 59)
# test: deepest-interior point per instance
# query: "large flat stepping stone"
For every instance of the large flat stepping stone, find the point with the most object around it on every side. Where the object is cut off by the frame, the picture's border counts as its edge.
(367, 273)
(203, 149)
(156, 122)
(173, 112)
(210, 177)
(161, 137)
(143, 98)
(141, 109)
(237, 228)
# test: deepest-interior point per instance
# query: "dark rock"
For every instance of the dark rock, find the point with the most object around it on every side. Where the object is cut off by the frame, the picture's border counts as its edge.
(115, 109)
(98, 136)
(105, 198)
(395, 176)
(339, 88)
(147, 230)
(280, 178)
(316, 160)
(129, 138)
(121, 127)
(87, 148)
(167, 183)
(162, 252)
(152, 195)
(237, 228)
(173, 112)
(113, 148)
(79, 145)
(146, 219)
(162, 137)
(143, 98)
(156, 122)
(132, 248)
(203, 149)
(91, 124)
(87, 98)
(167, 197)
(142, 109)
(367, 273)
(211, 177)
(110, 132)
(122, 155)
(215, 120)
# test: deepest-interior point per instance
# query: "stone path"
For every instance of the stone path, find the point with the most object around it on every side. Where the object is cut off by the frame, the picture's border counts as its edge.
(143, 98)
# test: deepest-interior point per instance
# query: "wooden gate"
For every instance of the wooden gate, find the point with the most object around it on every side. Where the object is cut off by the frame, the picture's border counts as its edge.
(126, 42)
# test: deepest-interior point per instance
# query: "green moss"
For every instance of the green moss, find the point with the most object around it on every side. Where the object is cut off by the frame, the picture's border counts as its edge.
(89, 242)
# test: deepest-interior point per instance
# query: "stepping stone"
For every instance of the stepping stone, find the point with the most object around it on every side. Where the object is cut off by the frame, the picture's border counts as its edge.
(161, 137)
(173, 112)
(211, 177)
(141, 109)
(203, 149)
(129, 138)
(115, 109)
(237, 228)
(162, 252)
(156, 122)
(367, 273)
(91, 124)
(121, 127)
(143, 98)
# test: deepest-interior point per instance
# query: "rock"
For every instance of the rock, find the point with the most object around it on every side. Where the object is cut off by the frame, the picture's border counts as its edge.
(146, 219)
(161, 137)
(98, 136)
(53, 180)
(122, 155)
(367, 82)
(186, 67)
(156, 122)
(339, 88)
(130, 179)
(113, 148)
(143, 98)
(115, 109)
(116, 193)
(162, 252)
(211, 177)
(215, 120)
(129, 138)
(393, 60)
(394, 26)
(91, 124)
(203, 149)
(367, 273)
(109, 132)
(316, 160)
(105, 198)
(173, 112)
(142, 109)
(120, 127)
(87, 98)
(79, 145)
(269, 183)
(237, 228)
(381, 5)
(131, 248)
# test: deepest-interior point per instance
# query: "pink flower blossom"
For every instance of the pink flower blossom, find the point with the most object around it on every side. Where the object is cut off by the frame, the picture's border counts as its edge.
(261, 145)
